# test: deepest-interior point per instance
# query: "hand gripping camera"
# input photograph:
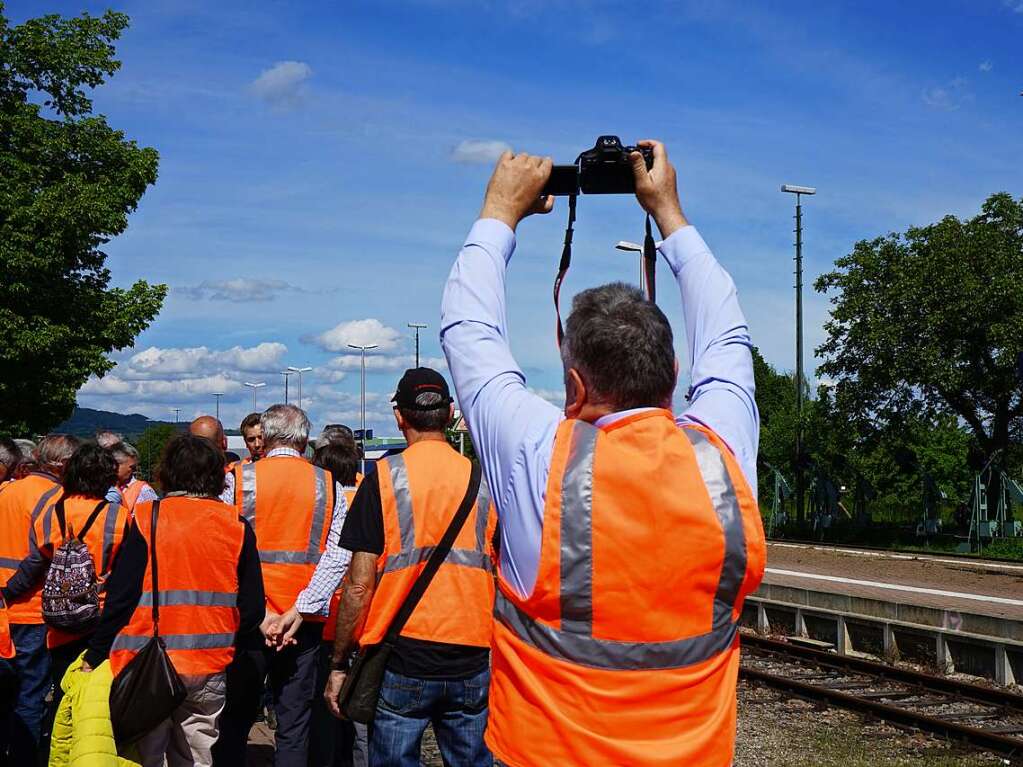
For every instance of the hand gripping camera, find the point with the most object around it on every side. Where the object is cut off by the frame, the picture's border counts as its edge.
(604, 169)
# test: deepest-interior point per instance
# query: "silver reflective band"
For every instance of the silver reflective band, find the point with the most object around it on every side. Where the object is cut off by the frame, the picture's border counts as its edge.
(403, 500)
(175, 641)
(464, 557)
(319, 515)
(289, 557)
(482, 515)
(109, 528)
(584, 650)
(40, 505)
(178, 597)
(577, 532)
(248, 491)
(722, 495)
(10, 564)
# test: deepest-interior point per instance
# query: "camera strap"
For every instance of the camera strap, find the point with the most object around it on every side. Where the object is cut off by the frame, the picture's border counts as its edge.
(649, 264)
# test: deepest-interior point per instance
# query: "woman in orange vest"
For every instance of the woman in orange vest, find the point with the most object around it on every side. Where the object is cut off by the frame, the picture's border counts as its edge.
(130, 489)
(210, 588)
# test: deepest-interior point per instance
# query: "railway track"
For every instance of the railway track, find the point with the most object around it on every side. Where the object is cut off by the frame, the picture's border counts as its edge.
(982, 716)
(914, 553)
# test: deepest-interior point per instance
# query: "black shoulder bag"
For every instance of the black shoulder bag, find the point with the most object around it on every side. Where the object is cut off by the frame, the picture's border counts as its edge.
(148, 689)
(361, 690)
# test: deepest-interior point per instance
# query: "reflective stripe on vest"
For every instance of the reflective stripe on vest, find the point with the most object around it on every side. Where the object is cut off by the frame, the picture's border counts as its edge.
(40, 505)
(311, 555)
(177, 597)
(109, 530)
(135, 642)
(248, 480)
(411, 555)
(575, 642)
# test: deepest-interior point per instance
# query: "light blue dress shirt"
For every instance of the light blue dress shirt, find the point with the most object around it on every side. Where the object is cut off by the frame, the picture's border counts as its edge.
(513, 429)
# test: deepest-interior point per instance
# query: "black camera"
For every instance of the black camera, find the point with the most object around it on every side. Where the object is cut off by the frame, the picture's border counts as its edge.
(605, 169)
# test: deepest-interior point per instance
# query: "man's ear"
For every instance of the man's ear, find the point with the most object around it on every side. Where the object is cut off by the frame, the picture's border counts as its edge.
(399, 420)
(575, 394)
(451, 413)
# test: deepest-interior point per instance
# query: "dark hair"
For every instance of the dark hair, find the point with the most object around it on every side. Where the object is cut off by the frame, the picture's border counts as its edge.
(192, 465)
(436, 419)
(252, 419)
(91, 471)
(622, 345)
(340, 459)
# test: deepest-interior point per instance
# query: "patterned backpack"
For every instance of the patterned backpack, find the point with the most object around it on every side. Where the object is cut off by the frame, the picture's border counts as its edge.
(71, 589)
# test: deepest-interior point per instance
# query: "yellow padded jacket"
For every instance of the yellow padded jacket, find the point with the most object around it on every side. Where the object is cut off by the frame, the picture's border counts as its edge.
(82, 733)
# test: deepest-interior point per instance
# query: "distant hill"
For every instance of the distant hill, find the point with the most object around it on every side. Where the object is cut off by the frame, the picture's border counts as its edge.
(84, 422)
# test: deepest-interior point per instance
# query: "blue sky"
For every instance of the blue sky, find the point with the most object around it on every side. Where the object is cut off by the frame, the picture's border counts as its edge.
(322, 162)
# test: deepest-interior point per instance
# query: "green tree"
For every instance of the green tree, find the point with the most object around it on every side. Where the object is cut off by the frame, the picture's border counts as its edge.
(150, 446)
(929, 324)
(69, 183)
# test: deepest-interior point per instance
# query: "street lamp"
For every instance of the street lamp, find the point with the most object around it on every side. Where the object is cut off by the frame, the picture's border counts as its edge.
(286, 373)
(300, 371)
(799, 191)
(632, 247)
(176, 411)
(218, 395)
(254, 386)
(418, 326)
(363, 349)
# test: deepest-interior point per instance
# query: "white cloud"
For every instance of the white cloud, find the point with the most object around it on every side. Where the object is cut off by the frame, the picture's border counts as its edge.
(948, 97)
(156, 362)
(161, 390)
(986, 66)
(1016, 6)
(361, 332)
(479, 151)
(283, 85)
(380, 363)
(239, 290)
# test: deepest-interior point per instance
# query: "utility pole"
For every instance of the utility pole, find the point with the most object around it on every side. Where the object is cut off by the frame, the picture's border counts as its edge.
(286, 373)
(254, 386)
(418, 326)
(217, 395)
(798, 191)
(300, 371)
(363, 349)
(176, 411)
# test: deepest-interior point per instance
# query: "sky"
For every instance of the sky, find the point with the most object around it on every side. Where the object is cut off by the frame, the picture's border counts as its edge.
(322, 162)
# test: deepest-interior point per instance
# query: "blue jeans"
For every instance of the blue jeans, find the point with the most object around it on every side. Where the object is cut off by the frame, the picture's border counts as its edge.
(26, 681)
(456, 708)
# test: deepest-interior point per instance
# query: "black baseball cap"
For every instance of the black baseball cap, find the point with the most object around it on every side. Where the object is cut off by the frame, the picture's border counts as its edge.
(418, 381)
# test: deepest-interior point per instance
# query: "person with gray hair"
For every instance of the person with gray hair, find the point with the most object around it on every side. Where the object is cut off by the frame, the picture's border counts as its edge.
(626, 496)
(129, 490)
(297, 511)
(108, 439)
(22, 502)
(10, 457)
(28, 451)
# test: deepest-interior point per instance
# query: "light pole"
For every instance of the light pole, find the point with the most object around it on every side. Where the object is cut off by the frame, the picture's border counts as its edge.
(363, 349)
(632, 247)
(286, 374)
(799, 191)
(176, 411)
(418, 326)
(254, 386)
(217, 395)
(300, 371)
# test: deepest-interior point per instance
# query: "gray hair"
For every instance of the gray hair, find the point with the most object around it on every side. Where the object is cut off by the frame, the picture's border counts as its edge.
(285, 425)
(621, 344)
(55, 450)
(436, 419)
(108, 439)
(10, 453)
(27, 447)
(122, 451)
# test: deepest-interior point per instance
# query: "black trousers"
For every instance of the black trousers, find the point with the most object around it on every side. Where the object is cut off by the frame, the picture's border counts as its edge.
(292, 675)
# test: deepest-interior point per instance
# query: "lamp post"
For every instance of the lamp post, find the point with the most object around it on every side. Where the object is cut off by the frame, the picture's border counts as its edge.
(176, 411)
(799, 191)
(300, 371)
(363, 349)
(286, 374)
(254, 386)
(217, 395)
(632, 247)
(418, 326)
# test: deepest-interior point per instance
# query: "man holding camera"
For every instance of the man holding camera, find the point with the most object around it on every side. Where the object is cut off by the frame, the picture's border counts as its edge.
(630, 536)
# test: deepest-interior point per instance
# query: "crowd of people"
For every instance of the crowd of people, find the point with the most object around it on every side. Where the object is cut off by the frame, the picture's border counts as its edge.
(573, 612)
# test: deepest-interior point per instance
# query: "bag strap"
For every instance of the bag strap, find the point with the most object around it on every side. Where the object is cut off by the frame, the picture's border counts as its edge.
(436, 558)
(152, 559)
(58, 510)
(91, 519)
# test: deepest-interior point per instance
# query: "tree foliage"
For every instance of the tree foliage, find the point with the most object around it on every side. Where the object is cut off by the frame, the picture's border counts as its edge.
(928, 325)
(69, 182)
(150, 447)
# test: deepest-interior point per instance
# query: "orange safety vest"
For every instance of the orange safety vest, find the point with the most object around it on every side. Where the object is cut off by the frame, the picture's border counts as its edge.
(130, 493)
(330, 629)
(197, 550)
(22, 502)
(627, 650)
(289, 503)
(103, 540)
(420, 491)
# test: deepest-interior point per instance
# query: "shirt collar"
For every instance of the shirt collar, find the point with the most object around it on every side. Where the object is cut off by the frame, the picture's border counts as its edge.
(610, 418)
(290, 451)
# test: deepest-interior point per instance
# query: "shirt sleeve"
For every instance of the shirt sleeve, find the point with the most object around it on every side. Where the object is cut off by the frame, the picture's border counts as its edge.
(721, 392)
(512, 428)
(148, 494)
(363, 528)
(228, 495)
(124, 590)
(314, 599)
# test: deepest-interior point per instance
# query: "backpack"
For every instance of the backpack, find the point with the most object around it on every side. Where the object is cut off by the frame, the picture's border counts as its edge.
(71, 589)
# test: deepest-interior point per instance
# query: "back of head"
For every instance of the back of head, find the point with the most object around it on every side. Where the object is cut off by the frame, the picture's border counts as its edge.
(10, 457)
(108, 438)
(285, 426)
(340, 459)
(336, 434)
(54, 451)
(192, 465)
(423, 400)
(208, 427)
(622, 347)
(91, 472)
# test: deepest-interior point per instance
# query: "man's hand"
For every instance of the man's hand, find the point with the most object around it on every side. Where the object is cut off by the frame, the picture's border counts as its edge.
(269, 627)
(282, 631)
(514, 190)
(657, 189)
(332, 693)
